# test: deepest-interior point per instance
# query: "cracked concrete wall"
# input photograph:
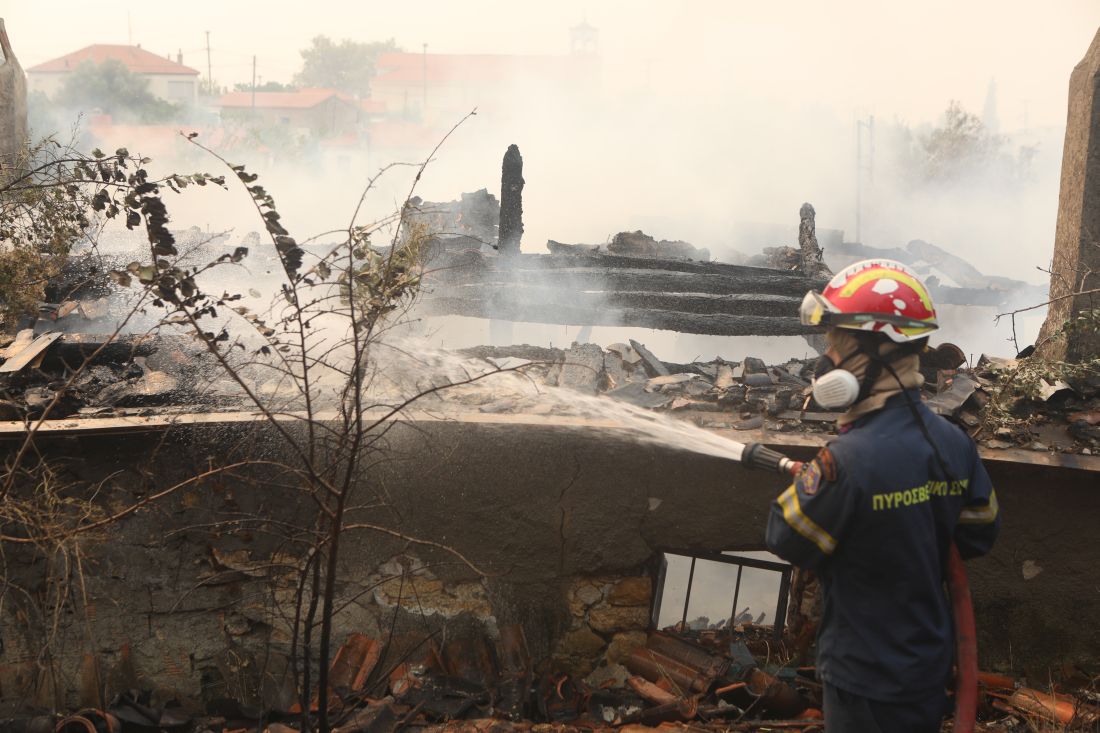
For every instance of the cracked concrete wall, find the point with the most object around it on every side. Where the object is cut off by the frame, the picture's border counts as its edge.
(564, 523)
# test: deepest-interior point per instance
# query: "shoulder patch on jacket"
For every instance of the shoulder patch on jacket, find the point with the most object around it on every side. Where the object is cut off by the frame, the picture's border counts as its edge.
(809, 478)
(827, 462)
(822, 467)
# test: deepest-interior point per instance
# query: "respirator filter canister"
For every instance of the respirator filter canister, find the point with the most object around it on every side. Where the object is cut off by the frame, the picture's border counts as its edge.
(836, 389)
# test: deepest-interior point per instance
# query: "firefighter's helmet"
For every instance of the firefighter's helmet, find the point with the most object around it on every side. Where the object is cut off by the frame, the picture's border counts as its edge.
(882, 296)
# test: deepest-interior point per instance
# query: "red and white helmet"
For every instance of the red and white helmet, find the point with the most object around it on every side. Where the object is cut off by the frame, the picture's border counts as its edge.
(873, 295)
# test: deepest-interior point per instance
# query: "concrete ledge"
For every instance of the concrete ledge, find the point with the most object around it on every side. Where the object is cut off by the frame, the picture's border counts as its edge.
(13, 430)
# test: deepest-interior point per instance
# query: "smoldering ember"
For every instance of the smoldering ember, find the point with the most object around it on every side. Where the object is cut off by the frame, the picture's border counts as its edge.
(255, 481)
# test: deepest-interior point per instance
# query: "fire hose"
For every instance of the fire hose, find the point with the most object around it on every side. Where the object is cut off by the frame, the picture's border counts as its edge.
(755, 455)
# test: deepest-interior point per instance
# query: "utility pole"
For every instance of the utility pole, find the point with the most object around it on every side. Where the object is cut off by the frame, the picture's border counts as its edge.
(424, 103)
(209, 73)
(253, 83)
(869, 126)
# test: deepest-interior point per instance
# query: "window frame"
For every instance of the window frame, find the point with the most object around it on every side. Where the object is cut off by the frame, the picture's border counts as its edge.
(784, 569)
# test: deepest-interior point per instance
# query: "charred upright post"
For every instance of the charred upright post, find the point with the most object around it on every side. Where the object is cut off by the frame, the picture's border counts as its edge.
(511, 201)
(811, 261)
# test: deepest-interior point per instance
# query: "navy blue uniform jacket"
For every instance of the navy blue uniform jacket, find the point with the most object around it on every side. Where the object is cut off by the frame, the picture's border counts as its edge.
(873, 516)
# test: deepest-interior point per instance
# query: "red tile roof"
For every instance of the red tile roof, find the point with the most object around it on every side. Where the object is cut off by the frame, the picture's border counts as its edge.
(135, 58)
(408, 68)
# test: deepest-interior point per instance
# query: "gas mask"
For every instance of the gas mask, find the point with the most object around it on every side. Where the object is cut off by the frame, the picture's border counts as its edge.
(835, 388)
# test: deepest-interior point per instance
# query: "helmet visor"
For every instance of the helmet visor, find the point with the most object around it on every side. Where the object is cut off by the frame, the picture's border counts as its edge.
(814, 310)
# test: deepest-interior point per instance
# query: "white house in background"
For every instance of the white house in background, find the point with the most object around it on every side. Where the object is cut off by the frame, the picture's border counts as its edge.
(170, 80)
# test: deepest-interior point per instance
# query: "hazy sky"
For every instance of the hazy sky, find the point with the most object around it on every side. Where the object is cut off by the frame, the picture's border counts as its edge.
(711, 115)
(852, 56)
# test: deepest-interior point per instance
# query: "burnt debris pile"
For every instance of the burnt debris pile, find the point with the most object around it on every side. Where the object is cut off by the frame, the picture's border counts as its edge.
(1024, 403)
(732, 679)
(73, 374)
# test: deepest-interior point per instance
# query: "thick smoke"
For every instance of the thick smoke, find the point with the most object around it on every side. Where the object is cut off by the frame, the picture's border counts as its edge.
(697, 124)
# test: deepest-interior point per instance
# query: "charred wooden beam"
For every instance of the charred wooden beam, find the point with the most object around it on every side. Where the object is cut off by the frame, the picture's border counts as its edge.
(471, 268)
(716, 324)
(579, 279)
(599, 261)
(73, 348)
(509, 295)
(610, 290)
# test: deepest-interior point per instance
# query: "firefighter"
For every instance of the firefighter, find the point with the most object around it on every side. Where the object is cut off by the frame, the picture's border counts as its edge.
(873, 515)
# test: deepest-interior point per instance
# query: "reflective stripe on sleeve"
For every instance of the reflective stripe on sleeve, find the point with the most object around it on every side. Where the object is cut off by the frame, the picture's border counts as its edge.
(980, 514)
(799, 522)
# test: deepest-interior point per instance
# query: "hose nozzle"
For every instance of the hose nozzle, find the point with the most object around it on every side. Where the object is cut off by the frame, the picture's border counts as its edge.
(757, 455)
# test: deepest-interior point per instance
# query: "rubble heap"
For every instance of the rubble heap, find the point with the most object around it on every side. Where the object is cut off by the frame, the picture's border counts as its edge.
(122, 375)
(675, 682)
(634, 244)
(1026, 403)
(1002, 403)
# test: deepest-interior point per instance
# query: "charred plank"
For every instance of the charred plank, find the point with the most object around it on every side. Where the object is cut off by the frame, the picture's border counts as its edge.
(507, 295)
(717, 324)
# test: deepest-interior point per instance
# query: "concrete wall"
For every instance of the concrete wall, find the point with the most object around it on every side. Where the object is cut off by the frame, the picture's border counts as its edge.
(565, 523)
(182, 89)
